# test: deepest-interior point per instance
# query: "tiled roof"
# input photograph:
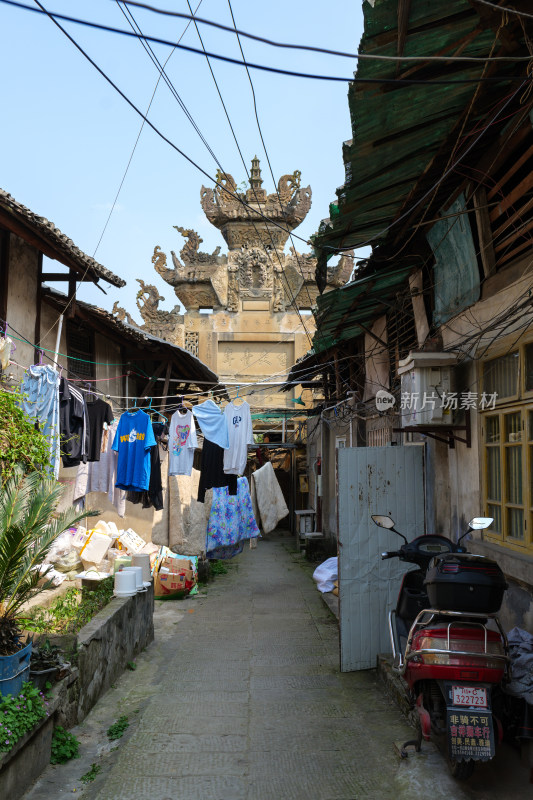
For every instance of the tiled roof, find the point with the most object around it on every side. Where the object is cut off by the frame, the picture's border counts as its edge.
(63, 248)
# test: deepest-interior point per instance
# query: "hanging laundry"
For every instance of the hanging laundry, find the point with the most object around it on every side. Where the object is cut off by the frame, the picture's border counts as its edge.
(231, 521)
(73, 424)
(269, 497)
(98, 412)
(240, 434)
(212, 470)
(100, 476)
(6, 345)
(133, 441)
(212, 422)
(40, 403)
(182, 443)
(153, 496)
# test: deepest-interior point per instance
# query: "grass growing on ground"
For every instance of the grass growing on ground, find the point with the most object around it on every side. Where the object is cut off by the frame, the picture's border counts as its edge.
(64, 746)
(70, 612)
(116, 731)
(91, 774)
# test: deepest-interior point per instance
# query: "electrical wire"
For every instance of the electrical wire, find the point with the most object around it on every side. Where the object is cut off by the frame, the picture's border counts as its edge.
(320, 50)
(506, 9)
(264, 67)
(138, 137)
(221, 169)
(260, 239)
(438, 182)
(264, 144)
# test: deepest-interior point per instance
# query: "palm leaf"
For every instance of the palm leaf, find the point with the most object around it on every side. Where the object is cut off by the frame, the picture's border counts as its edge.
(29, 525)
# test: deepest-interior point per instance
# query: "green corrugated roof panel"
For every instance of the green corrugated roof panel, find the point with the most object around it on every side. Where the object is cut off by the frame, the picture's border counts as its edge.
(398, 130)
(339, 311)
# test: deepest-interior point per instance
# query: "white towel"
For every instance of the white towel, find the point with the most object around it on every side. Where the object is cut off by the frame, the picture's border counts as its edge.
(269, 497)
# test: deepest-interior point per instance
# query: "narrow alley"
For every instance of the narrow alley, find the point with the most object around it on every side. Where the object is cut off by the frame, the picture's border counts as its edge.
(240, 698)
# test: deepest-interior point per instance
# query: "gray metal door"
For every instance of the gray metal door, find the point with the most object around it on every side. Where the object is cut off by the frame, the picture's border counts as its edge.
(373, 480)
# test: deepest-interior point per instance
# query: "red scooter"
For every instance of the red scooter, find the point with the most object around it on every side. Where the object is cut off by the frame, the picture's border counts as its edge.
(449, 645)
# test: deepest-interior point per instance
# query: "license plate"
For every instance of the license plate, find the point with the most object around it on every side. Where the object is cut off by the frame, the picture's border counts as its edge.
(471, 696)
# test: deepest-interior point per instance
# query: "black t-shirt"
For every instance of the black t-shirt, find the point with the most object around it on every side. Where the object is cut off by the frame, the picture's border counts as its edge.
(98, 412)
(72, 424)
(212, 471)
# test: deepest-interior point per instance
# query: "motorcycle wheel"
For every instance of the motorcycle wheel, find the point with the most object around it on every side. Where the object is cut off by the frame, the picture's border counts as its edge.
(461, 770)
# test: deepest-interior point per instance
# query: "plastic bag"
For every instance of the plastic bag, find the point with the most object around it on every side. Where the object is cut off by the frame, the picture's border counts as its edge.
(61, 547)
(69, 563)
(326, 573)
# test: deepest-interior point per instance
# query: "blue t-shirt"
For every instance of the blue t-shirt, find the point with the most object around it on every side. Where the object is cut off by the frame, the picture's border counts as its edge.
(133, 440)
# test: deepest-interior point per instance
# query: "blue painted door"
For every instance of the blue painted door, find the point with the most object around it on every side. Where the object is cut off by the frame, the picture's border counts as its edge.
(373, 480)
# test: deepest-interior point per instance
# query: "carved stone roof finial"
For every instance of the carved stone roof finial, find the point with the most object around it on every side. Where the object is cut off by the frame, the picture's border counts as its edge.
(255, 174)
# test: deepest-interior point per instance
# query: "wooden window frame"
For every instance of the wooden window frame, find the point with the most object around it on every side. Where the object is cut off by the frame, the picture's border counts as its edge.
(521, 403)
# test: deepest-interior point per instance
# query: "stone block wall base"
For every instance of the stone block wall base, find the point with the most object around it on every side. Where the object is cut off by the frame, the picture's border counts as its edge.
(396, 688)
(25, 762)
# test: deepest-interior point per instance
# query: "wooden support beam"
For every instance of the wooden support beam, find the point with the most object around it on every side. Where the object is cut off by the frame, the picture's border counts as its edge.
(71, 310)
(4, 272)
(38, 306)
(416, 286)
(165, 387)
(338, 383)
(510, 198)
(151, 383)
(61, 277)
(484, 232)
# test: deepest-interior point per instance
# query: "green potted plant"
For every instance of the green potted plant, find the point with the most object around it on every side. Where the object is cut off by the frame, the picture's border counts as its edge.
(29, 524)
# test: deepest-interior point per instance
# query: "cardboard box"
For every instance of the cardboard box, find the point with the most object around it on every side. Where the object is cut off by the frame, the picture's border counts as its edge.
(168, 583)
(177, 565)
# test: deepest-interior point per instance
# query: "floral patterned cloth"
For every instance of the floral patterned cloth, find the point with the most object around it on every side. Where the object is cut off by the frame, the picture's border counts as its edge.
(231, 521)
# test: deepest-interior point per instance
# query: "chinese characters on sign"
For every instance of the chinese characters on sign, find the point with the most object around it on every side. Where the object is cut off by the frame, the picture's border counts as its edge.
(470, 735)
(449, 401)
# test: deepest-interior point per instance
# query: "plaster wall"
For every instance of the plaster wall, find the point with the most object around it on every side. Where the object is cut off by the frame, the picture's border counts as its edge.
(22, 300)
(252, 345)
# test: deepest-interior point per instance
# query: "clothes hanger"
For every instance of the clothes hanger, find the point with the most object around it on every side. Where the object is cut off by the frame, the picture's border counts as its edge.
(237, 398)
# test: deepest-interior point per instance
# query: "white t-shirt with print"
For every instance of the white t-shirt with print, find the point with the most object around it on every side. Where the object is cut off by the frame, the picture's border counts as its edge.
(240, 432)
(182, 442)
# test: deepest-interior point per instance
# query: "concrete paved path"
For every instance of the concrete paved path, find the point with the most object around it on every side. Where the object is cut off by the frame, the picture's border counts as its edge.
(240, 698)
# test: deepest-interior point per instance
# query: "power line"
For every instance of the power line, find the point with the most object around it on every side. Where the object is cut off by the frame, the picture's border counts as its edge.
(138, 137)
(264, 67)
(155, 60)
(288, 286)
(447, 172)
(323, 50)
(265, 147)
(156, 130)
(506, 9)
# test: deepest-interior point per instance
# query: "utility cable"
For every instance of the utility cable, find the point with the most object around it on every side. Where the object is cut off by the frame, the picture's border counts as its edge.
(323, 50)
(265, 148)
(264, 67)
(155, 60)
(288, 286)
(139, 136)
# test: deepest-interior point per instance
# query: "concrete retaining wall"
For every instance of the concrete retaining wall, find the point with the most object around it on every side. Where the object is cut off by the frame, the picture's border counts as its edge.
(112, 638)
(104, 646)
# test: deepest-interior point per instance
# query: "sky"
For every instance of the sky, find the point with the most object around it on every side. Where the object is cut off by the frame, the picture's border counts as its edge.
(67, 135)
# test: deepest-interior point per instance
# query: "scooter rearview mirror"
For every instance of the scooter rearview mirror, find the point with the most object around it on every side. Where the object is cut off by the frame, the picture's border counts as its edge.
(479, 523)
(383, 521)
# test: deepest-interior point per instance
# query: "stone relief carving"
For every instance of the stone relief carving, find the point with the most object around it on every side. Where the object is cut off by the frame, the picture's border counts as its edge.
(288, 185)
(155, 321)
(254, 269)
(232, 303)
(190, 252)
(122, 315)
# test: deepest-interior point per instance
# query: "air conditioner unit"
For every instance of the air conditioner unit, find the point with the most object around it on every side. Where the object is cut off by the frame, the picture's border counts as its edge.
(426, 381)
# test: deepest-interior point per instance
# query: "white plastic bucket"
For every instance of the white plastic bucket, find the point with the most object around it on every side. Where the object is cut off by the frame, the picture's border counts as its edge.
(138, 572)
(125, 583)
(142, 560)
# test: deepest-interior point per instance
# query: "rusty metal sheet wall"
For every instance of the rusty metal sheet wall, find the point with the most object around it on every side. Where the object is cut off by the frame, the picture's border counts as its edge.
(373, 480)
